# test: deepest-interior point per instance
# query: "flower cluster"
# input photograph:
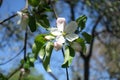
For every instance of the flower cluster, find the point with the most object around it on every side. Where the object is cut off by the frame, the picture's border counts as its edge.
(63, 33)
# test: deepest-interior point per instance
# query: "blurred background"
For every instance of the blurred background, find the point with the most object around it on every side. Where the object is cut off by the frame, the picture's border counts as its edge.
(103, 23)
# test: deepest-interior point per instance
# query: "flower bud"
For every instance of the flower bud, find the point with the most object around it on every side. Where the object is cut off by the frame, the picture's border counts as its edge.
(57, 45)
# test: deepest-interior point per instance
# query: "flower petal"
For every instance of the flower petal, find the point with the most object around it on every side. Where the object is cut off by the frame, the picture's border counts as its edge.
(61, 24)
(49, 37)
(71, 37)
(60, 39)
(55, 32)
(71, 27)
(20, 16)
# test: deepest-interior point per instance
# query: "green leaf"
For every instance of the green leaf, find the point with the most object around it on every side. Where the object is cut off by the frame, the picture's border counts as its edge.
(46, 61)
(82, 44)
(34, 3)
(2, 77)
(38, 43)
(69, 55)
(87, 37)
(81, 21)
(32, 23)
(42, 52)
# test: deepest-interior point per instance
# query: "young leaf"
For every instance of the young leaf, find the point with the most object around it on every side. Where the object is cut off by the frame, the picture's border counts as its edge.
(42, 52)
(46, 61)
(82, 44)
(69, 55)
(39, 42)
(87, 37)
(81, 21)
(32, 23)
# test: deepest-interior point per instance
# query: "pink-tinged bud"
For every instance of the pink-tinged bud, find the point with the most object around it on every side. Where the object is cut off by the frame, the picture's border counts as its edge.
(61, 22)
(57, 45)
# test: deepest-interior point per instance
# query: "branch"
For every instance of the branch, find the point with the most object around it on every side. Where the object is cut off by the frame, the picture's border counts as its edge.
(26, 6)
(93, 36)
(8, 18)
(15, 71)
(67, 74)
(11, 58)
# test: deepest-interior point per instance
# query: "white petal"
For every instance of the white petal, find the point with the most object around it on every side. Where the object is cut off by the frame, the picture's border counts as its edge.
(55, 31)
(20, 16)
(60, 39)
(61, 24)
(71, 37)
(49, 37)
(71, 27)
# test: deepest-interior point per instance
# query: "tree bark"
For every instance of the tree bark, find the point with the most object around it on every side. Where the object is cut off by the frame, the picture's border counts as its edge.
(86, 68)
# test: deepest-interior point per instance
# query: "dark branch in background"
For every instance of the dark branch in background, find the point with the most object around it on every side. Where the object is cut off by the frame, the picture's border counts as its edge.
(67, 74)
(8, 18)
(26, 6)
(11, 58)
(15, 71)
(93, 36)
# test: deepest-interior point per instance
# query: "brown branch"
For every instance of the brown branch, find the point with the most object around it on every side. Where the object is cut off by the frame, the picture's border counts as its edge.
(93, 36)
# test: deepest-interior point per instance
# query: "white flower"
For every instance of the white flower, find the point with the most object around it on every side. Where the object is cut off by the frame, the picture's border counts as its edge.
(63, 32)
(23, 19)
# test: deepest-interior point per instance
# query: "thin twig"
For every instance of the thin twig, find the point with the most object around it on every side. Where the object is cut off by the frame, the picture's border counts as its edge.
(8, 18)
(15, 71)
(54, 77)
(12, 58)
(67, 74)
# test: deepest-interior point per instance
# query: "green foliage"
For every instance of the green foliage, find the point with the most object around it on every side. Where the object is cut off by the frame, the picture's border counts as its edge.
(29, 61)
(69, 55)
(81, 21)
(82, 44)
(38, 43)
(34, 3)
(42, 52)
(42, 21)
(87, 37)
(32, 23)
(27, 76)
(46, 60)
(2, 77)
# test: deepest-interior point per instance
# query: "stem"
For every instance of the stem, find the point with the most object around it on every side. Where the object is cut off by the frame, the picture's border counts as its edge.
(67, 74)
(86, 69)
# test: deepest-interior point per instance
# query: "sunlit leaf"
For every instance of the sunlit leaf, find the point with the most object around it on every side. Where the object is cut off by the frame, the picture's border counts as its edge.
(42, 52)
(81, 21)
(46, 61)
(32, 23)
(87, 37)
(69, 55)
(39, 42)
